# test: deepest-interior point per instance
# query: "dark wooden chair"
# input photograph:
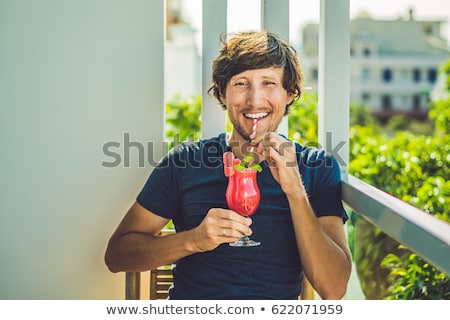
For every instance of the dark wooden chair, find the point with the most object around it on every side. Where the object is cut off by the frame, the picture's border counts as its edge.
(160, 281)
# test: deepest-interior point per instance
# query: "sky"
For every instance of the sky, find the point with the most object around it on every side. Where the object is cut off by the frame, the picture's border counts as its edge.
(307, 11)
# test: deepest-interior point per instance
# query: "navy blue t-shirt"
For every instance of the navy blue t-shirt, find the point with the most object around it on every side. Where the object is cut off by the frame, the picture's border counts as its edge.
(190, 180)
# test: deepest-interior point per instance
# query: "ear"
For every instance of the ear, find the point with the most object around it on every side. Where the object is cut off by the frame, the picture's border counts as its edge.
(290, 99)
(223, 101)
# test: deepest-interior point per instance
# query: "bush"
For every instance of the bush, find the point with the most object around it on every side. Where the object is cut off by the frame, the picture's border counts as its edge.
(416, 170)
(303, 120)
(183, 119)
(414, 278)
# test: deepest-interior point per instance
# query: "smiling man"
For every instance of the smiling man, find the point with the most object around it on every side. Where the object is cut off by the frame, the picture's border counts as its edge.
(300, 218)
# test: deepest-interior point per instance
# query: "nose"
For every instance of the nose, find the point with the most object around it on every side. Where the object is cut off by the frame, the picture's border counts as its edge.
(255, 97)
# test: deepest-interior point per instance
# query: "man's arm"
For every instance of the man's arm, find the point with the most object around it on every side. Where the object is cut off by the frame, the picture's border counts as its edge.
(321, 241)
(323, 249)
(136, 246)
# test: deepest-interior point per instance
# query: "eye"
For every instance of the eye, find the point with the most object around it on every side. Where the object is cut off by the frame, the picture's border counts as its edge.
(269, 83)
(239, 83)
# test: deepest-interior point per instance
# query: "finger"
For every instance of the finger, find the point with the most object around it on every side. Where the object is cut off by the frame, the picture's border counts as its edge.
(281, 159)
(273, 156)
(240, 224)
(275, 141)
(232, 234)
(231, 215)
(264, 137)
(283, 147)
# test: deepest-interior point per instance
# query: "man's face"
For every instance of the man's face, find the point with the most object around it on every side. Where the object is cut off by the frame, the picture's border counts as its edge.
(256, 94)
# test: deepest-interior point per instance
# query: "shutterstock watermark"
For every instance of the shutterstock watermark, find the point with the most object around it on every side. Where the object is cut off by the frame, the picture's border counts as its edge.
(120, 153)
(128, 153)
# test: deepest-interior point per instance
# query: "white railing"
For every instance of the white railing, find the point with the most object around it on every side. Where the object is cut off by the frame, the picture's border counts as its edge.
(421, 232)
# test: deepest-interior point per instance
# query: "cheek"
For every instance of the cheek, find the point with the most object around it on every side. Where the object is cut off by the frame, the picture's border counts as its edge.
(235, 99)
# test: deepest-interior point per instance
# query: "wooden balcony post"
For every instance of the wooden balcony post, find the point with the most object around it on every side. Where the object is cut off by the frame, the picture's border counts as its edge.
(132, 285)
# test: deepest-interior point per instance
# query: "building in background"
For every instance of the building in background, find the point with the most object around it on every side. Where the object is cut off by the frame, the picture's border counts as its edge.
(395, 63)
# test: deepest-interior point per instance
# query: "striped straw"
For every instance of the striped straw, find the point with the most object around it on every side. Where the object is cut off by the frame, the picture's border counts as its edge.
(255, 121)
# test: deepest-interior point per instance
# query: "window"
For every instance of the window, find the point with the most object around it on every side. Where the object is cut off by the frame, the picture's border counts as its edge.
(387, 75)
(365, 96)
(428, 29)
(416, 75)
(386, 102)
(432, 75)
(366, 52)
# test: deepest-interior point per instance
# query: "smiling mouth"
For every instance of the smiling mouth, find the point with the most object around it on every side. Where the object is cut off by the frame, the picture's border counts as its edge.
(257, 116)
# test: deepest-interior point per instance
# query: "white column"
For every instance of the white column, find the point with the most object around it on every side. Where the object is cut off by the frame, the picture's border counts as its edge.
(334, 80)
(275, 18)
(334, 97)
(214, 24)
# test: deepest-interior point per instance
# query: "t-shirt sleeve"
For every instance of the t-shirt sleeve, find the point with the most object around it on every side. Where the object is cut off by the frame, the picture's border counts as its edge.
(159, 194)
(326, 196)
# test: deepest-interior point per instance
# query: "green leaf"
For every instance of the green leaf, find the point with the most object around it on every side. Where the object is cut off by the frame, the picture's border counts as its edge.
(256, 167)
(248, 158)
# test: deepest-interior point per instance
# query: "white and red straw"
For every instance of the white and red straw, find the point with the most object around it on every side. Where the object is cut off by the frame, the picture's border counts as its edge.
(255, 121)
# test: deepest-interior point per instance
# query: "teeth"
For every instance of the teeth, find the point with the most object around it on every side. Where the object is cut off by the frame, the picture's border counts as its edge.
(256, 115)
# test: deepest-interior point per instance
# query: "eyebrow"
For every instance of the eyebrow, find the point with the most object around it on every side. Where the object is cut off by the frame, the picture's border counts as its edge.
(275, 77)
(270, 77)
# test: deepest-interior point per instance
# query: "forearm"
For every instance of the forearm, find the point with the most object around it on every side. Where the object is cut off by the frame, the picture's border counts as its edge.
(323, 252)
(140, 252)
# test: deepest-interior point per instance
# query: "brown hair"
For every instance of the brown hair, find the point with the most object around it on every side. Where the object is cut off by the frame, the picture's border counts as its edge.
(256, 50)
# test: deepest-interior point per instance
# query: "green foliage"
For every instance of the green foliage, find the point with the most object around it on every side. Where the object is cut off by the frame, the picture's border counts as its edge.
(360, 115)
(398, 165)
(183, 123)
(183, 119)
(416, 170)
(247, 163)
(440, 113)
(445, 69)
(440, 110)
(401, 122)
(370, 247)
(434, 197)
(303, 120)
(413, 278)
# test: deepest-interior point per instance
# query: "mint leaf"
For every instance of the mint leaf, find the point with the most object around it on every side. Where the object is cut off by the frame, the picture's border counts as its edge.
(256, 167)
(248, 158)
(247, 163)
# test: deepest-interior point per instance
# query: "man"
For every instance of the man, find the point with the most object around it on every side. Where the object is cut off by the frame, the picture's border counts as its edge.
(299, 221)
